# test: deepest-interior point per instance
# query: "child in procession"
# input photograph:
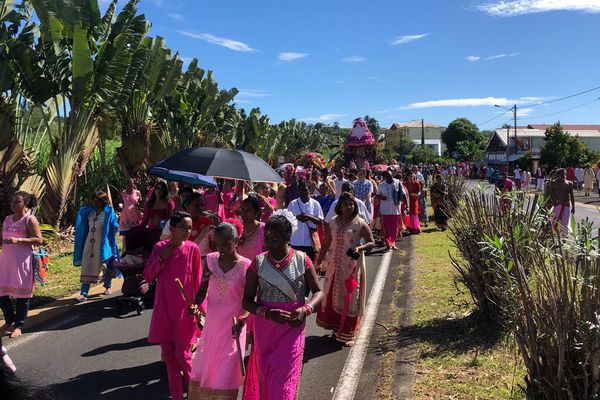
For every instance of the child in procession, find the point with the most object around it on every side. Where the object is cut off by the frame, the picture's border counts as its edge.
(216, 371)
(276, 284)
(173, 326)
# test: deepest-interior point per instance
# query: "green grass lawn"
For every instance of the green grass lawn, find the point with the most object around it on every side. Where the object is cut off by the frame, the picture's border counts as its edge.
(458, 358)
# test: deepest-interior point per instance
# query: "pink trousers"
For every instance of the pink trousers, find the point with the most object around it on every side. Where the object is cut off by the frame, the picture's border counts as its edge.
(390, 227)
(178, 357)
(562, 216)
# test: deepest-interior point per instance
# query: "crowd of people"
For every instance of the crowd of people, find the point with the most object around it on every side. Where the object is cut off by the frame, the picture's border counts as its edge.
(249, 258)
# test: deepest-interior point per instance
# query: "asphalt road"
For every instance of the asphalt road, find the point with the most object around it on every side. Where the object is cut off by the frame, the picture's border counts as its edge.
(89, 353)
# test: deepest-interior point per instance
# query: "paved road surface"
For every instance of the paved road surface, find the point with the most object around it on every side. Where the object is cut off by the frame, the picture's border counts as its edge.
(89, 353)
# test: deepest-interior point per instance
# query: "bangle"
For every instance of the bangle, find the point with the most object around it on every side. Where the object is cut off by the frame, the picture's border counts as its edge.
(18, 240)
(261, 311)
(308, 309)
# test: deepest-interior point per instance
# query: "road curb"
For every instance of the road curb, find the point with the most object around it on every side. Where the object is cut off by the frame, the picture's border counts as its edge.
(406, 356)
(59, 307)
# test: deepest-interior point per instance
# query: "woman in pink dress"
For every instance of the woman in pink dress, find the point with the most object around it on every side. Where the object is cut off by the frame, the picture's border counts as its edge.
(216, 372)
(173, 324)
(276, 286)
(251, 242)
(131, 214)
(20, 231)
(345, 285)
(158, 208)
(268, 204)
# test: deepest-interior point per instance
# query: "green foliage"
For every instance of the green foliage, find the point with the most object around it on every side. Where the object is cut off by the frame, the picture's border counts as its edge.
(422, 154)
(471, 150)
(560, 149)
(459, 130)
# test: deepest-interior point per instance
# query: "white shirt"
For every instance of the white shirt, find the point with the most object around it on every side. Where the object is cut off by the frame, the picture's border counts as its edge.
(389, 190)
(338, 186)
(363, 212)
(302, 235)
(420, 177)
(598, 175)
(517, 173)
(579, 174)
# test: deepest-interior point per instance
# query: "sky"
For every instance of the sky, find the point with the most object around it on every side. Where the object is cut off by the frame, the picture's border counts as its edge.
(334, 60)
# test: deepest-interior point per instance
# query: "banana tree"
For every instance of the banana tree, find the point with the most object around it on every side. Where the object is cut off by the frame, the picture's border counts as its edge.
(80, 60)
(195, 113)
(154, 76)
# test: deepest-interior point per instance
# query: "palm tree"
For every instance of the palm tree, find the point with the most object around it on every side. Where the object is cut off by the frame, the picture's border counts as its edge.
(76, 62)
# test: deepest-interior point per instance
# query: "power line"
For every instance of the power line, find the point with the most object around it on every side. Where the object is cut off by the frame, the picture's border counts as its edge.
(491, 119)
(560, 112)
(562, 98)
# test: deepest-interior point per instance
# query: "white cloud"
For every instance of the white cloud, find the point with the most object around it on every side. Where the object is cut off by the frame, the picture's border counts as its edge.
(473, 58)
(376, 79)
(513, 54)
(497, 56)
(509, 8)
(354, 59)
(291, 56)
(253, 93)
(219, 41)
(176, 17)
(339, 82)
(325, 117)
(472, 102)
(408, 38)
(524, 112)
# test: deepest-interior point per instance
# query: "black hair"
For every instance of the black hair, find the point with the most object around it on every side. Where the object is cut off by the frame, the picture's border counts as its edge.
(253, 201)
(102, 196)
(302, 184)
(186, 189)
(195, 196)
(29, 199)
(280, 224)
(177, 217)
(347, 187)
(165, 192)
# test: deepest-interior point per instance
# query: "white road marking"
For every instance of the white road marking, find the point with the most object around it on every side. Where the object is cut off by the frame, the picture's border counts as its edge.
(346, 387)
(26, 338)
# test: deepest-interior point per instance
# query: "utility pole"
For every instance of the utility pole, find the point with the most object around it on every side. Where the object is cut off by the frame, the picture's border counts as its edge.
(515, 118)
(422, 133)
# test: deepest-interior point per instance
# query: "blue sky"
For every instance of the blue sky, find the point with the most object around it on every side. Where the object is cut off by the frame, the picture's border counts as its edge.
(334, 60)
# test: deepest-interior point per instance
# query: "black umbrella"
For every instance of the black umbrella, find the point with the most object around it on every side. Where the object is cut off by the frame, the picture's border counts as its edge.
(221, 163)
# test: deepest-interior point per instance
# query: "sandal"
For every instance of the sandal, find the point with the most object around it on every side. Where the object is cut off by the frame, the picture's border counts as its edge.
(108, 292)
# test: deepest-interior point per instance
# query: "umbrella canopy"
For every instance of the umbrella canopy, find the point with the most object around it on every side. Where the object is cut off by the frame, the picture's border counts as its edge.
(221, 163)
(182, 176)
(379, 167)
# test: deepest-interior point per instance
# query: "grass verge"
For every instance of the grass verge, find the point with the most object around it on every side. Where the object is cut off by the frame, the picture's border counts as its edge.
(457, 358)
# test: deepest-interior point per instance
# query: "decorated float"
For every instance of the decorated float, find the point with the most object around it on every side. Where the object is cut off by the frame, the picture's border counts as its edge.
(361, 147)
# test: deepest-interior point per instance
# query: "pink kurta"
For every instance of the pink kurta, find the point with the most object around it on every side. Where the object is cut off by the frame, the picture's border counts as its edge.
(170, 319)
(130, 215)
(252, 246)
(16, 274)
(216, 366)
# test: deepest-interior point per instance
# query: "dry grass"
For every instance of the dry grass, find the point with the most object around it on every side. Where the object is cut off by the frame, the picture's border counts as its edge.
(457, 357)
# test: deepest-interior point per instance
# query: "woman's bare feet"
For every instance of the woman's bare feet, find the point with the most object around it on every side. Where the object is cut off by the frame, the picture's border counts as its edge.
(16, 333)
(349, 344)
(81, 299)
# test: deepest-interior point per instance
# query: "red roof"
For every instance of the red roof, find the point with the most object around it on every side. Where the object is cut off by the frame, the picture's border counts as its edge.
(567, 127)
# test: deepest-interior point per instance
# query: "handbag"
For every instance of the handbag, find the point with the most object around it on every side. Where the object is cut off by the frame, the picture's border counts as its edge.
(39, 260)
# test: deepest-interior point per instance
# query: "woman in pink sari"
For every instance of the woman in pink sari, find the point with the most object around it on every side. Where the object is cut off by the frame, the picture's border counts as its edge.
(413, 187)
(276, 284)
(252, 241)
(216, 372)
(345, 285)
(131, 215)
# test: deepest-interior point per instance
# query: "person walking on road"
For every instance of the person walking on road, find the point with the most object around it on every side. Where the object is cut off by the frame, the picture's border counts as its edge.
(20, 231)
(96, 243)
(560, 192)
(173, 325)
(131, 215)
(344, 287)
(216, 371)
(251, 242)
(540, 176)
(309, 214)
(588, 180)
(413, 187)
(438, 193)
(390, 194)
(276, 288)
(579, 179)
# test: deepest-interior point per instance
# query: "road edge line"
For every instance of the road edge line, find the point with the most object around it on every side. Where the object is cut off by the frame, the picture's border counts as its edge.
(350, 376)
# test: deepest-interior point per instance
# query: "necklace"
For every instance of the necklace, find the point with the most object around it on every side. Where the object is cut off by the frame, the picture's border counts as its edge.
(247, 236)
(278, 262)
